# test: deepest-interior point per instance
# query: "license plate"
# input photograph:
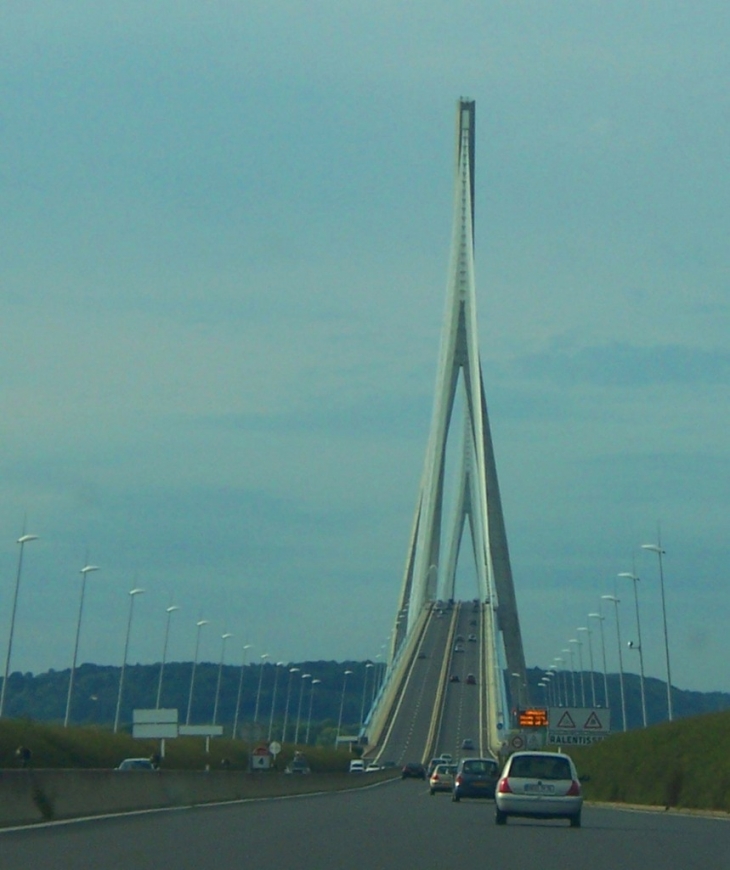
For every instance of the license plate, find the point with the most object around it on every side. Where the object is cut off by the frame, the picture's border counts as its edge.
(539, 788)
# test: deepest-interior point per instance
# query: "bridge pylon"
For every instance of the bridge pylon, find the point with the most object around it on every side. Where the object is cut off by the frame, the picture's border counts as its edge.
(428, 577)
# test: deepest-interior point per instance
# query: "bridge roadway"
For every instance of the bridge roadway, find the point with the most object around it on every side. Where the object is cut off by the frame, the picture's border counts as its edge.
(434, 714)
(394, 825)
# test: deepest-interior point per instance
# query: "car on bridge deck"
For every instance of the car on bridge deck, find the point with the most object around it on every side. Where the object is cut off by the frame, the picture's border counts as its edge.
(413, 770)
(475, 777)
(539, 785)
(454, 678)
(468, 744)
(471, 680)
(442, 778)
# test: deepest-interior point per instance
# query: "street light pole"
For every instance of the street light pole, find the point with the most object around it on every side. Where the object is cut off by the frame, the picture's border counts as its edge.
(22, 540)
(569, 651)
(342, 707)
(600, 617)
(263, 658)
(200, 623)
(616, 602)
(299, 710)
(84, 571)
(273, 697)
(169, 610)
(292, 671)
(562, 695)
(133, 593)
(311, 702)
(246, 648)
(638, 646)
(587, 630)
(368, 666)
(224, 638)
(657, 548)
(579, 644)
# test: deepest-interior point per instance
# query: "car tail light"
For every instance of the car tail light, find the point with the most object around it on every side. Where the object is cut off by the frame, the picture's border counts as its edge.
(459, 779)
(574, 789)
(503, 786)
(435, 777)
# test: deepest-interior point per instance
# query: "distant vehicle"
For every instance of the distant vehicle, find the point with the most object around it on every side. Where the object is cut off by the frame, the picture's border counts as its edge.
(471, 680)
(372, 767)
(454, 678)
(472, 622)
(357, 765)
(459, 638)
(472, 638)
(421, 655)
(136, 764)
(413, 770)
(467, 743)
(447, 757)
(475, 777)
(433, 763)
(442, 778)
(539, 785)
(458, 648)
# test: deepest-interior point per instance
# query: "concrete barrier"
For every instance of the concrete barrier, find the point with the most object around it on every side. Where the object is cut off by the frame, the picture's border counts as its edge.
(29, 796)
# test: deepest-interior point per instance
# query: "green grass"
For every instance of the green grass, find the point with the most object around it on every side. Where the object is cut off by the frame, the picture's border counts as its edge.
(96, 747)
(684, 764)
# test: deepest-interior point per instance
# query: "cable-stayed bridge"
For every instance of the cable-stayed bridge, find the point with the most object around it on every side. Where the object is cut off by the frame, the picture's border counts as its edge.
(455, 667)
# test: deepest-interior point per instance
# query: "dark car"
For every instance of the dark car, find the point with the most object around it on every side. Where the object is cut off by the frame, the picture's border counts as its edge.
(413, 770)
(475, 777)
(454, 678)
(471, 680)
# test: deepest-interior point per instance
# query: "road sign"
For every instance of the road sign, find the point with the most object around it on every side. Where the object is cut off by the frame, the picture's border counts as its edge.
(200, 730)
(571, 720)
(274, 748)
(576, 738)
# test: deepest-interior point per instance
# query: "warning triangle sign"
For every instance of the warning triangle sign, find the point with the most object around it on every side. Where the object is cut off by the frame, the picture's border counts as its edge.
(566, 721)
(593, 723)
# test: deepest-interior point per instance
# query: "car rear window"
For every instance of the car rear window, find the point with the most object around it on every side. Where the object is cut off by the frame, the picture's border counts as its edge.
(540, 767)
(479, 766)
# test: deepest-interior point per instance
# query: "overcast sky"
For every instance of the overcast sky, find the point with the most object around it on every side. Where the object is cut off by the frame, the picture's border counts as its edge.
(224, 243)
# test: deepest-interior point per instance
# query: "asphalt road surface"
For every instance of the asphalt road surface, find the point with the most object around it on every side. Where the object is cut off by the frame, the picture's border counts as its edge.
(394, 825)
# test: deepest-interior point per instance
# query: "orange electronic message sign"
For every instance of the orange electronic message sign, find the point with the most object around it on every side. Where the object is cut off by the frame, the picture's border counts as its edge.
(534, 717)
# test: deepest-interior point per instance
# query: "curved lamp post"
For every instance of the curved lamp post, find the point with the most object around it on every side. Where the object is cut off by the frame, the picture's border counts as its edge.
(657, 548)
(638, 646)
(224, 638)
(200, 623)
(169, 610)
(588, 631)
(562, 694)
(292, 671)
(368, 666)
(579, 644)
(299, 711)
(569, 651)
(263, 658)
(22, 540)
(87, 569)
(246, 648)
(600, 617)
(342, 707)
(311, 702)
(273, 697)
(616, 602)
(133, 593)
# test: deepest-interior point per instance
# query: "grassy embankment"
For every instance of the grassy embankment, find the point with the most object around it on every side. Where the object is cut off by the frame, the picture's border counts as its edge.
(53, 746)
(683, 764)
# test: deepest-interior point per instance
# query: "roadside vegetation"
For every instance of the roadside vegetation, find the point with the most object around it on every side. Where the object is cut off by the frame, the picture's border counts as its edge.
(52, 746)
(683, 764)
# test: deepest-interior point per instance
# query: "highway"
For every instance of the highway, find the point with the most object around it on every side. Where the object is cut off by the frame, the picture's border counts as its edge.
(394, 825)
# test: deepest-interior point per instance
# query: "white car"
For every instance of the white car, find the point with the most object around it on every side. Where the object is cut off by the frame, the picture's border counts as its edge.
(539, 785)
(357, 765)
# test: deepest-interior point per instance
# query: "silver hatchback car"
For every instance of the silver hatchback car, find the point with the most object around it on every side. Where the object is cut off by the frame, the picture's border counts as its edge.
(539, 785)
